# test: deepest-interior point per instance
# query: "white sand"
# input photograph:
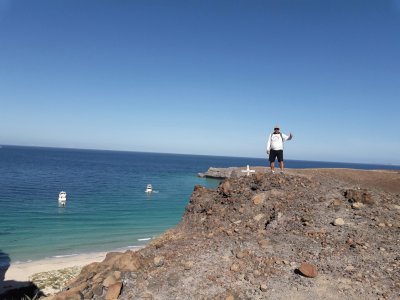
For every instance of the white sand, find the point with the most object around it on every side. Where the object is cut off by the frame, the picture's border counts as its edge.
(18, 274)
(22, 271)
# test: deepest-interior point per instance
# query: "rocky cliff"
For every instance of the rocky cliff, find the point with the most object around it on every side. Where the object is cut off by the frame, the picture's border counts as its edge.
(305, 234)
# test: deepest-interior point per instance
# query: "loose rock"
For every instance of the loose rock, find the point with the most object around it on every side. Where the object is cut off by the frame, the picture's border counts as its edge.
(188, 265)
(308, 270)
(235, 267)
(258, 199)
(263, 287)
(338, 222)
(158, 261)
(263, 244)
(226, 188)
(258, 217)
(357, 205)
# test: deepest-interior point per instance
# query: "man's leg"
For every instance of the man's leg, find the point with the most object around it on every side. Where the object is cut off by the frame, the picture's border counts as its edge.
(272, 157)
(280, 160)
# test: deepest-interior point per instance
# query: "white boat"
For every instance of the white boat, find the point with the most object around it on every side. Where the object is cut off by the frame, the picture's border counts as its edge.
(62, 199)
(149, 188)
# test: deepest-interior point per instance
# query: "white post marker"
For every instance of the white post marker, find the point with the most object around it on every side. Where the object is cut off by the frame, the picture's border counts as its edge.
(248, 171)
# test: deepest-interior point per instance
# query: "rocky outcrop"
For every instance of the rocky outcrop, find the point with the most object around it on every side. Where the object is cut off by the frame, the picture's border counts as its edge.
(231, 172)
(219, 173)
(264, 236)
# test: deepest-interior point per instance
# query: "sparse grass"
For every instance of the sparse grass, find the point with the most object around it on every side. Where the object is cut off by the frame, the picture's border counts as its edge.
(55, 279)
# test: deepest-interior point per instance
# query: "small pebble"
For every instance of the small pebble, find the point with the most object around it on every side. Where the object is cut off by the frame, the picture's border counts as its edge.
(263, 287)
(234, 268)
(338, 222)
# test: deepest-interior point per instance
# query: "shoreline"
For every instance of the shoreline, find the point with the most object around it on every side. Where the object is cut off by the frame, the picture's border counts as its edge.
(19, 274)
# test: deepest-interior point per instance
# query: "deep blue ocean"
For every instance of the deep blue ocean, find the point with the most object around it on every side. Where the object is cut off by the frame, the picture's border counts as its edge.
(107, 207)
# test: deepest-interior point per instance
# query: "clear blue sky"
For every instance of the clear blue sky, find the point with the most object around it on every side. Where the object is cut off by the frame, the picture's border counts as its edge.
(203, 77)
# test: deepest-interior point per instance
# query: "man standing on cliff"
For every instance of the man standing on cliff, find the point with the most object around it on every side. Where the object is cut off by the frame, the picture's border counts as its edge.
(275, 147)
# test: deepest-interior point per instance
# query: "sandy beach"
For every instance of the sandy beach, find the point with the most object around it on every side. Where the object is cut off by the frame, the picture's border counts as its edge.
(22, 271)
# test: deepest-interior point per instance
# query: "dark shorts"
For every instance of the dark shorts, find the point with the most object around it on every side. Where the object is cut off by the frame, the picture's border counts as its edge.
(273, 154)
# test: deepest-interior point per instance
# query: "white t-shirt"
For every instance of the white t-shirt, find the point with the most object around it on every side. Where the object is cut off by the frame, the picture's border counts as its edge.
(275, 141)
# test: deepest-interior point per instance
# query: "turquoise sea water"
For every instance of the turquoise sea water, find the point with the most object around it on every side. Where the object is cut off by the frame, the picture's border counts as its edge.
(107, 207)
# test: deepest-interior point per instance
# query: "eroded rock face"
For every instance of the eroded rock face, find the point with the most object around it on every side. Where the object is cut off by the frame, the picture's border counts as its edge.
(245, 239)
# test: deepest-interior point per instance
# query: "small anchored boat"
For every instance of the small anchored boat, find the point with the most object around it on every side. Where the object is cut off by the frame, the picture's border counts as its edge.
(149, 188)
(62, 199)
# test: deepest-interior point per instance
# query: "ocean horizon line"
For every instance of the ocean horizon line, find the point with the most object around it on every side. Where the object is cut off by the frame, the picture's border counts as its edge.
(196, 155)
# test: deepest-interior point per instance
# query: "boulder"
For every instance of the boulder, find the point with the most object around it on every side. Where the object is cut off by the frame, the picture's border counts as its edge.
(114, 291)
(110, 280)
(128, 262)
(88, 295)
(225, 188)
(111, 257)
(362, 196)
(98, 290)
(90, 268)
(308, 270)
